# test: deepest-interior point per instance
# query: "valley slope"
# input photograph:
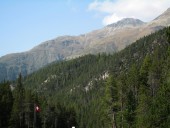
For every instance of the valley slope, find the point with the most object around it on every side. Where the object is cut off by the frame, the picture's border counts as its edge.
(135, 82)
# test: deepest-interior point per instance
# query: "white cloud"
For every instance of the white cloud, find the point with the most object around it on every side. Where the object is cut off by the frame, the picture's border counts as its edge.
(115, 10)
(111, 19)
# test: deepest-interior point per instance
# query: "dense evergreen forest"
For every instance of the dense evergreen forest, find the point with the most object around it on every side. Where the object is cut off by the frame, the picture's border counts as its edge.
(128, 89)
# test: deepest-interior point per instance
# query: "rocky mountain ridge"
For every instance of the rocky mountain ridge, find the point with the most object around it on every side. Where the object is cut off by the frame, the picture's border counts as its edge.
(109, 39)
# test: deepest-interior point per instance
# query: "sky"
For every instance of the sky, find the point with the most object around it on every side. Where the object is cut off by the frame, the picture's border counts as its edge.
(27, 23)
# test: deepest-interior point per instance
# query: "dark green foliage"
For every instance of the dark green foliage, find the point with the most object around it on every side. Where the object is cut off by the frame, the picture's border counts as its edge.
(132, 95)
(138, 72)
(17, 110)
(168, 34)
(144, 96)
(111, 101)
(6, 101)
(129, 89)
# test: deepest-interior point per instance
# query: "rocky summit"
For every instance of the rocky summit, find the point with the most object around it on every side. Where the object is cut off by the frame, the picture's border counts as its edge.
(127, 22)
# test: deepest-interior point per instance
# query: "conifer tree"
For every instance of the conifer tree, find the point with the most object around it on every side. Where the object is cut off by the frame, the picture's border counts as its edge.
(162, 105)
(6, 101)
(28, 108)
(17, 115)
(122, 97)
(168, 34)
(111, 99)
(133, 81)
(144, 94)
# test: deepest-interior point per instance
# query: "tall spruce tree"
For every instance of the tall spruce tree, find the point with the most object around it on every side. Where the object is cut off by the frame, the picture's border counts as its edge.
(6, 101)
(122, 97)
(168, 34)
(17, 115)
(132, 95)
(144, 98)
(28, 108)
(111, 99)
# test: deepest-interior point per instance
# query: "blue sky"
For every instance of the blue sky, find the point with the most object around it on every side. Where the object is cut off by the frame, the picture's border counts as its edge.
(27, 23)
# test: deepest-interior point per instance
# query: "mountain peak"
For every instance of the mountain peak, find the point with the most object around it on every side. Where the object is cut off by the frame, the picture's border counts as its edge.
(127, 22)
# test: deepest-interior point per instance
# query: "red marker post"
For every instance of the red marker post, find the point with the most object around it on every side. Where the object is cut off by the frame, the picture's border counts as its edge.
(36, 110)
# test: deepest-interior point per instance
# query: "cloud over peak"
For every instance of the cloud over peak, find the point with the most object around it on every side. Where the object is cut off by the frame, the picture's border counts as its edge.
(115, 10)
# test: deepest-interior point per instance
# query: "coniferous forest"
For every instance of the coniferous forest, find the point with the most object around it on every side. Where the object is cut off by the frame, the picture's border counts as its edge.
(127, 89)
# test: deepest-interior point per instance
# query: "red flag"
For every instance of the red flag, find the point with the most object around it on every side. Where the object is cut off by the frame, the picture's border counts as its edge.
(37, 108)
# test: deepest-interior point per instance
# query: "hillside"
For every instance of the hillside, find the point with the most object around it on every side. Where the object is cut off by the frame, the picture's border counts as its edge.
(131, 85)
(109, 39)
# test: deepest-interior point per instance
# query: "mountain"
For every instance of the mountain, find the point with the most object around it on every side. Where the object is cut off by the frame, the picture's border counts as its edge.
(134, 81)
(127, 22)
(109, 39)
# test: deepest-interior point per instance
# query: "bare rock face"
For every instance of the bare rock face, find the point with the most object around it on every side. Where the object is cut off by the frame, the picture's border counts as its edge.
(109, 39)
